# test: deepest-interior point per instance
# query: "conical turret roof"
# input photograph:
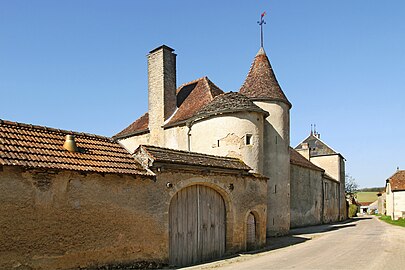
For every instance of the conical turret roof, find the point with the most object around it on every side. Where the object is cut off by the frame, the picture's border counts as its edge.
(261, 83)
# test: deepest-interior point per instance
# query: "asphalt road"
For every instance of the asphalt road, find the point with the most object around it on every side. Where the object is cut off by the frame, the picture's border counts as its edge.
(363, 243)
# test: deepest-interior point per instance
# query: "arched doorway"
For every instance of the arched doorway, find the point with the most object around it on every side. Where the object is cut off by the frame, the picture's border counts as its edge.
(251, 232)
(197, 226)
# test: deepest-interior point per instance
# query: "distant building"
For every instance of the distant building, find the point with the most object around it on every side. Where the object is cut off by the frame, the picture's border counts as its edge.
(395, 195)
(324, 156)
(381, 203)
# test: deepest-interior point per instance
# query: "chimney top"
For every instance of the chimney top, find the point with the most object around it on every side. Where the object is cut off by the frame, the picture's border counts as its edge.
(70, 144)
(162, 47)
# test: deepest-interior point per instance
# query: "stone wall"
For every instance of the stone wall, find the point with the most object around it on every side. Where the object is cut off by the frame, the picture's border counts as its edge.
(314, 198)
(132, 143)
(331, 193)
(334, 166)
(62, 220)
(306, 196)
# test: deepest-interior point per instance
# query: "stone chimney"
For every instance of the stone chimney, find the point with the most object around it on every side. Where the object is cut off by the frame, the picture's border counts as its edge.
(161, 90)
(304, 151)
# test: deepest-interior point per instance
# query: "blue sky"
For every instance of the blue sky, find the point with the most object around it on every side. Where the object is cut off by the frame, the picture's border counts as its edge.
(81, 65)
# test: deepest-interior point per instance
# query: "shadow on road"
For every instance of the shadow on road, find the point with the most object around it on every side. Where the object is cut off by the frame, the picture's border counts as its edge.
(327, 227)
(297, 236)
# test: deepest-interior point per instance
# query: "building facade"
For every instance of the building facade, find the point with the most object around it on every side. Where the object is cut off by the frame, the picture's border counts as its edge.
(201, 175)
(395, 195)
(252, 125)
(95, 204)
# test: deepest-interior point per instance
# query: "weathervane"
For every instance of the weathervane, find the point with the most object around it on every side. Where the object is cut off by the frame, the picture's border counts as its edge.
(261, 22)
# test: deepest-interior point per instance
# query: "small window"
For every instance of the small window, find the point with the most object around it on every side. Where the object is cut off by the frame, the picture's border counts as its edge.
(248, 139)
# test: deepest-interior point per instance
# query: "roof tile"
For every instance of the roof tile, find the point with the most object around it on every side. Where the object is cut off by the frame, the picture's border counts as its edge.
(297, 159)
(397, 181)
(42, 147)
(261, 83)
(229, 102)
(202, 93)
(166, 155)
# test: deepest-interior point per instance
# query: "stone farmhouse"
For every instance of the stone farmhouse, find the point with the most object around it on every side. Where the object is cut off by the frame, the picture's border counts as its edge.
(395, 195)
(252, 125)
(201, 175)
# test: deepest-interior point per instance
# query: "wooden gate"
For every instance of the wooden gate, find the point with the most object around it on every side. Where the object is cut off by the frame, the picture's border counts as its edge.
(197, 226)
(251, 232)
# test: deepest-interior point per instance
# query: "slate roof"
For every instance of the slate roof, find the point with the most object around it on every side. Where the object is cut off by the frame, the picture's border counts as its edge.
(191, 97)
(297, 159)
(42, 147)
(261, 83)
(317, 147)
(229, 102)
(171, 156)
(397, 181)
(139, 126)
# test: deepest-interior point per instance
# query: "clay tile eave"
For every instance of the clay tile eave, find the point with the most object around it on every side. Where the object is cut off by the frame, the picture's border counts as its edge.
(42, 147)
(202, 94)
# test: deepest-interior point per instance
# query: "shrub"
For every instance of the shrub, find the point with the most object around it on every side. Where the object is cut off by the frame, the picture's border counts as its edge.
(352, 210)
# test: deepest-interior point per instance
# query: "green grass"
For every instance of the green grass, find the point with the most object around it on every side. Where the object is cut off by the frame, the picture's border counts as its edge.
(399, 222)
(367, 196)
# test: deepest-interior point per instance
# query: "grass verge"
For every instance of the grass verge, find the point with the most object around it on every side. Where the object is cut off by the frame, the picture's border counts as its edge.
(399, 222)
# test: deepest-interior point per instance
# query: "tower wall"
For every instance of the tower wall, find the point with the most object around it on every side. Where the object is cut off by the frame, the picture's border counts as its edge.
(226, 135)
(276, 166)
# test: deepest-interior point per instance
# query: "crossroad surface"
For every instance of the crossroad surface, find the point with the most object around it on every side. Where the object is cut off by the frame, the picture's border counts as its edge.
(363, 243)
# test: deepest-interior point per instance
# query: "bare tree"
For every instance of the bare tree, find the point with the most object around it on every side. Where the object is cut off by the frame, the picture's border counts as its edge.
(351, 187)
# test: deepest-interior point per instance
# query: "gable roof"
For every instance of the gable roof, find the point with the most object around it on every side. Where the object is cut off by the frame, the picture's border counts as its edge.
(227, 103)
(261, 83)
(192, 97)
(139, 126)
(42, 147)
(297, 159)
(317, 147)
(397, 181)
(172, 156)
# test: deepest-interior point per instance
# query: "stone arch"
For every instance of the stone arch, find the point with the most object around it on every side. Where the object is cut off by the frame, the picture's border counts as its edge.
(252, 230)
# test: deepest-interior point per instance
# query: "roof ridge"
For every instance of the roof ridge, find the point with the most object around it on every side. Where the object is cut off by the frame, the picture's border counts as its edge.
(190, 152)
(51, 129)
(191, 82)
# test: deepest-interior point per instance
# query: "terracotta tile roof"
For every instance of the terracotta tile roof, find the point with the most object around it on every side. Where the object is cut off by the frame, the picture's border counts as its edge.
(397, 181)
(229, 102)
(139, 126)
(166, 155)
(192, 97)
(364, 203)
(42, 147)
(261, 83)
(297, 159)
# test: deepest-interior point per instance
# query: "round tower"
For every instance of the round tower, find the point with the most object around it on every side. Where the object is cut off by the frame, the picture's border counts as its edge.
(262, 88)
